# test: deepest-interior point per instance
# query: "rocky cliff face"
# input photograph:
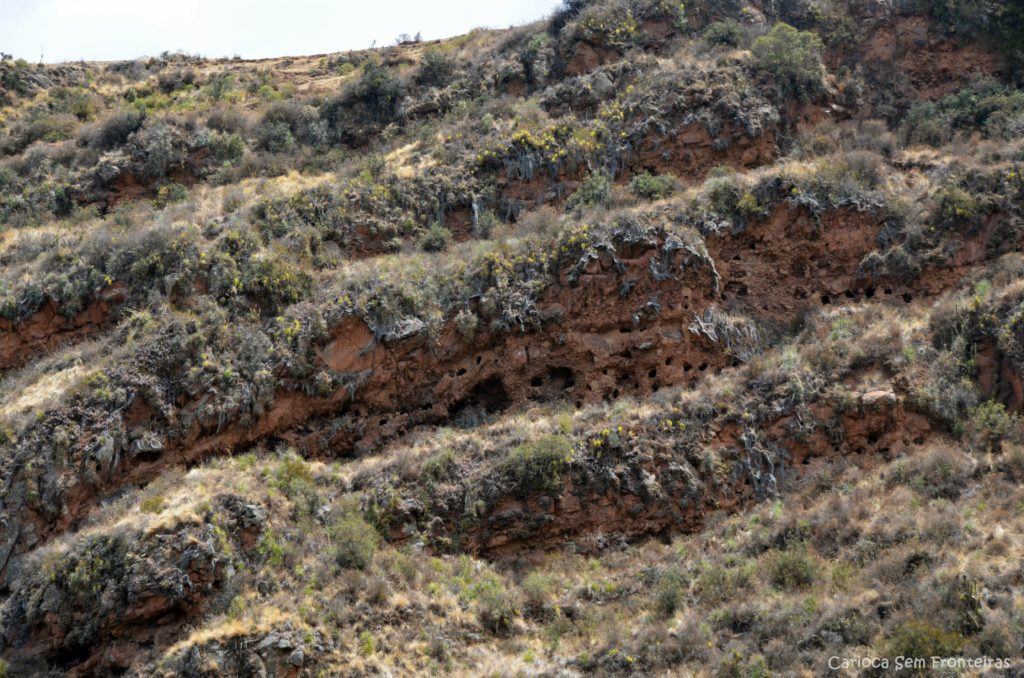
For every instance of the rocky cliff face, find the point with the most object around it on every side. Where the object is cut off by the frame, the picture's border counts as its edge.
(96, 607)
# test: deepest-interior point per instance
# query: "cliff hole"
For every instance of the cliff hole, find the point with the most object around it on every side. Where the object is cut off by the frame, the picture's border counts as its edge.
(561, 378)
(737, 288)
(149, 456)
(487, 397)
(553, 384)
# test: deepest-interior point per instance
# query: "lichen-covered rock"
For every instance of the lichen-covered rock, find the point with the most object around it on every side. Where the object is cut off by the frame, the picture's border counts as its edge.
(122, 587)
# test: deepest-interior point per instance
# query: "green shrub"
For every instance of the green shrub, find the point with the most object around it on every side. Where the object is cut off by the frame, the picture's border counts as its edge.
(273, 284)
(956, 210)
(466, 323)
(270, 549)
(537, 466)
(988, 426)
(269, 92)
(987, 106)
(720, 582)
(158, 148)
(495, 605)
(725, 32)
(354, 540)
(791, 569)
(538, 590)
(379, 91)
(722, 194)
(924, 124)
(16, 79)
(154, 504)
(375, 98)
(938, 472)
(740, 666)
(616, 24)
(436, 239)
(6, 433)
(653, 187)
(922, 640)
(611, 24)
(533, 47)
(436, 70)
(792, 58)
(227, 147)
(45, 128)
(275, 137)
(169, 194)
(367, 646)
(171, 81)
(115, 130)
(292, 473)
(439, 466)
(669, 591)
(302, 123)
(596, 190)
(221, 86)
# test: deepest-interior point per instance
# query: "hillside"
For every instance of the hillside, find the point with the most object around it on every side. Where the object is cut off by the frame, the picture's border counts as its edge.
(648, 339)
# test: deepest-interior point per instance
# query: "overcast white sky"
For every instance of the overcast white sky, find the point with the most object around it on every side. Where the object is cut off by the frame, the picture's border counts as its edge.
(68, 30)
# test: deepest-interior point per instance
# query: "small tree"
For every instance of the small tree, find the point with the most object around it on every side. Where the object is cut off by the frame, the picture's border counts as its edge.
(726, 32)
(653, 187)
(596, 190)
(436, 239)
(436, 70)
(537, 466)
(380, 91)
(355, 542)
(792, 58)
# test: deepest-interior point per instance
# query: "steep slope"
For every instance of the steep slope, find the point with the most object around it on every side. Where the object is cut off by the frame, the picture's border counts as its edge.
(647, 339)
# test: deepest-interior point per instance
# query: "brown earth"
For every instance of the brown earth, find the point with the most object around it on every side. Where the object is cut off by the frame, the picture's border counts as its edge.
(607, 344)
(654, 495)
(614, 331)
(586, 57)
(48, 328)
(933, 64)
(998, 379)
(688, 152)
(129, 186)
